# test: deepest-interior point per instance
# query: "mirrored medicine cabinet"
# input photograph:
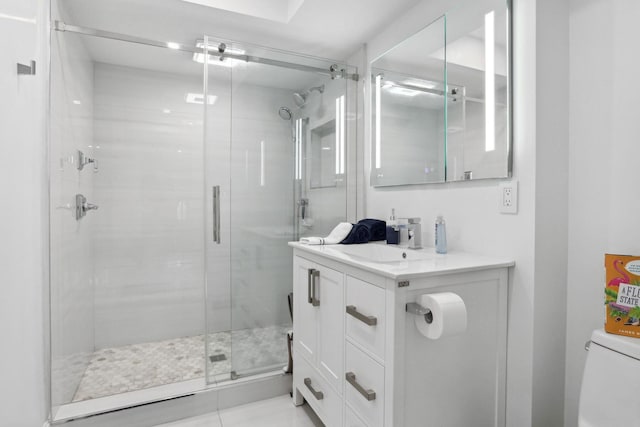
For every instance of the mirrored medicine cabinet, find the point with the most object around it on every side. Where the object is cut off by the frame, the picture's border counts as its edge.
(441, 100)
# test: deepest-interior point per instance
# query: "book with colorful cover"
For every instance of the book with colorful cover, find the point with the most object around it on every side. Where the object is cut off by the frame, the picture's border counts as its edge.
(622, 295)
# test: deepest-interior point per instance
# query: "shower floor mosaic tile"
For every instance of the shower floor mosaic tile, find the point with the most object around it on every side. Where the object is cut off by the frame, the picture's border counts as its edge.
(139, 366)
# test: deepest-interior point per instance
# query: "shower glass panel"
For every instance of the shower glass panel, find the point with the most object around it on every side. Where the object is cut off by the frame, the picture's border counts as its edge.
(275, 104)
(177, 179)
(127, 278)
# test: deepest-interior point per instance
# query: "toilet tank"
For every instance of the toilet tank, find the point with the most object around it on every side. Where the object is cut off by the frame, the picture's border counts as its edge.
(610, 394)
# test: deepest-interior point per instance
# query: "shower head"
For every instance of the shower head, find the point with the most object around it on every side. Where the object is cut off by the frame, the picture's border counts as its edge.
(284, 113)
(300, 98)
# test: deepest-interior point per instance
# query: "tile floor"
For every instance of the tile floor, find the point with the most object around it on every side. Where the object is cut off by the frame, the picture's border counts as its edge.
(276, 412)
(140, 366)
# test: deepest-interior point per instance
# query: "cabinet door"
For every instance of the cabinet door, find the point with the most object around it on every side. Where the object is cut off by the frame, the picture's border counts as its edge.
(305, 315)
(330, 291)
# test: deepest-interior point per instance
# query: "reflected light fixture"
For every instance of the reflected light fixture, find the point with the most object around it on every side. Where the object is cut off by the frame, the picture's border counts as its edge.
(403, 91)
(198, 98)
(419, 84)
(173, 45)
(378, 119)
(340, 133)
(489, 84)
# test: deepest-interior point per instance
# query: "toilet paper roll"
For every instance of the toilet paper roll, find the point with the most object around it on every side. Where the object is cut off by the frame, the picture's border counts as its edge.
(449, 315)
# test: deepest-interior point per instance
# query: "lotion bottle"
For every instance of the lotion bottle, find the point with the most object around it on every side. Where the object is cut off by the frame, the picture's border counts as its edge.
(441, 235)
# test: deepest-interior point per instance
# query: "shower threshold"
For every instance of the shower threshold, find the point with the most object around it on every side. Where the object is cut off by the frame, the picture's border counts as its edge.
(209, 398)
(139, 374)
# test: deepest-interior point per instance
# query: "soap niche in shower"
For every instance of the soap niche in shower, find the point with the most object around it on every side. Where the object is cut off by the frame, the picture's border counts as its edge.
(322, 158)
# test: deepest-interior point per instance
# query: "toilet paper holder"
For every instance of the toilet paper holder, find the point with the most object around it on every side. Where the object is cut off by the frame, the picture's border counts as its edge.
(418, 310)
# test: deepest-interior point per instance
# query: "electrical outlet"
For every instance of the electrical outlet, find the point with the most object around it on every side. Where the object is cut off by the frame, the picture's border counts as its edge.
(508, 193)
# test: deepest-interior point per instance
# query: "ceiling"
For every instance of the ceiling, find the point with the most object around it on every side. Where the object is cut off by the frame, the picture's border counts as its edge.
(323, 28)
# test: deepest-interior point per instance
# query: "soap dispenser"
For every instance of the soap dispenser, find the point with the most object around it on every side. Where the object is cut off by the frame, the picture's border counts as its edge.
(441, 235)
(392, 229)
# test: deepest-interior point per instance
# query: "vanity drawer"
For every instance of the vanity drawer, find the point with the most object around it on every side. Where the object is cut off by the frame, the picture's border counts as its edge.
(324, 400)
(364, 388)
(365, 315)
(352, 420)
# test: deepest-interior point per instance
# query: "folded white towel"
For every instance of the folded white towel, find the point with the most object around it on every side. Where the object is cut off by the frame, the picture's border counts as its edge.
(337, 235)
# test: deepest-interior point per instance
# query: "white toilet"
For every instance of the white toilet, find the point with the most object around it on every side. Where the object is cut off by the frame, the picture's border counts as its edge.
(610, 394)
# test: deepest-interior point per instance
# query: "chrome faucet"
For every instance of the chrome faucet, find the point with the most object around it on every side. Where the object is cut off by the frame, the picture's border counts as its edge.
(415, 233)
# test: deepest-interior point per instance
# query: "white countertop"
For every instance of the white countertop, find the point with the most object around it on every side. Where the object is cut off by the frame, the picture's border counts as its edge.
(418, 263)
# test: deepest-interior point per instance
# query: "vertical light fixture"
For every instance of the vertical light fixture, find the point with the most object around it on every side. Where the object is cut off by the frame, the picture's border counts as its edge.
(343, 132)
(298, 148)
(262, 164)
(378, 108)
(489, 83)
(337, 136)
(340, 135)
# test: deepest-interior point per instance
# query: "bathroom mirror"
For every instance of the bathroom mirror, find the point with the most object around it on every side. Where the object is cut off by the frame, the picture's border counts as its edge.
(440, 100)
(408, 111)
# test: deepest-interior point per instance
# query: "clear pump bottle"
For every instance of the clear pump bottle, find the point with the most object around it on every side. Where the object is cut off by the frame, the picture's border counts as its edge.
(441, 235)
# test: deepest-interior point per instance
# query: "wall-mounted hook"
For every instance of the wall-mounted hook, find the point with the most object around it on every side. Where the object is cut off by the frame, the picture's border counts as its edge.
(26, 69)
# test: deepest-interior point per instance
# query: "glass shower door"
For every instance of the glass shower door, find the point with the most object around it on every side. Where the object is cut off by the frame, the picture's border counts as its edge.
(217, 144)
(276, 147)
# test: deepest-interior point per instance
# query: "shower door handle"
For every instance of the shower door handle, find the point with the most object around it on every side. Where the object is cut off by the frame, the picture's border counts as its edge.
(216, 214)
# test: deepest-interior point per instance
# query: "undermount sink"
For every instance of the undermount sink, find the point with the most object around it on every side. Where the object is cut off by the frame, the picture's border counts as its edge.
(382, 253)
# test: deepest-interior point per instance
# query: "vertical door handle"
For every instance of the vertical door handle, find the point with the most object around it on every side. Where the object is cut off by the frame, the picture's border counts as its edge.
(310, 285)
(312, 274)
(216, 214)
(315, 301)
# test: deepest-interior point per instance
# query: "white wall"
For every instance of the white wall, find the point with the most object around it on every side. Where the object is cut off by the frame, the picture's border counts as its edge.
(474, 223)
(603, 194)
(23, 299)
(551, 157)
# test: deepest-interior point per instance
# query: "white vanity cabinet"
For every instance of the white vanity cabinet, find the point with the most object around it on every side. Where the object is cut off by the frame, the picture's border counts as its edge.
(360, 360)
(318, 341)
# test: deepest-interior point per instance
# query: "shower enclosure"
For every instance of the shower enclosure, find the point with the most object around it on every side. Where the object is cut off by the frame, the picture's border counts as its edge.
(178, 172)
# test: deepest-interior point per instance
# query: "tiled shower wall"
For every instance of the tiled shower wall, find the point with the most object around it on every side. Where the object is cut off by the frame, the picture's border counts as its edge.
(327, 206)
(150, 235)
(148, 246)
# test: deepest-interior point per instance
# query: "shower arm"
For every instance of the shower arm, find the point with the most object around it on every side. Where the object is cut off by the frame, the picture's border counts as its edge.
(332, 71)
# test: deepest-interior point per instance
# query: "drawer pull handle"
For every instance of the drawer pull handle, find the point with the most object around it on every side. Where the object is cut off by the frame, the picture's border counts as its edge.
(367, 394)
(369, 320)
(317, 394)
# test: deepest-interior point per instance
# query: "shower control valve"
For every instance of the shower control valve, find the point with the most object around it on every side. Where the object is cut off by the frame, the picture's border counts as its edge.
(82, 207)
(84, 160)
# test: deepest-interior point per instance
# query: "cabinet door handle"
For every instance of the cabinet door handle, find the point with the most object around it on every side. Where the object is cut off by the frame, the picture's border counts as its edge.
(367, 394)
(309, 285)
(369, 320)
(315, 274)
(317, 394)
